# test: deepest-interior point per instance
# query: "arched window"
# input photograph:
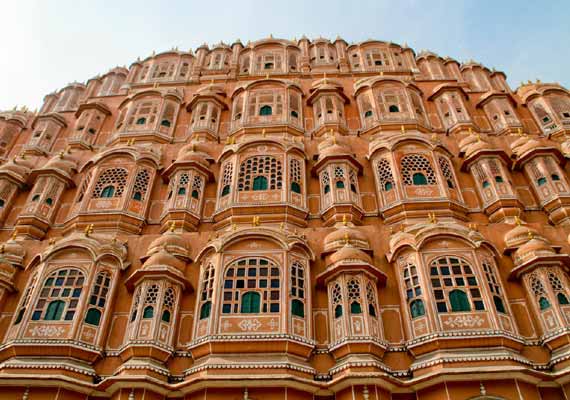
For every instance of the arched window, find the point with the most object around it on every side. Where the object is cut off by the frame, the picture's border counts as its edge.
(485, 184)
(454, 285)
(413, 290)
(368, 114)
(26, 300)
(59, 296)
(416, 169)
(541, 181)
(150, 301)
(205, 310)
(250, 303)
(36, 197)
(419, 179)
(108, 191)
(494, 286)
(417, 308)
(297, 289)
(266, 168)
(265, 110)
(115, 178)
(141, 184)
(226, 190)
(558, 288)
(98, 298)
(195, 194)
(354, 299)
(459, 301)
(49, 201)
(393, 109)
(181, 191)
(385, 177)
(255, 275)
(339, 184)
(55, 310)
(371, 298)
(168, 304)
(447, 172)
(295, 175)
(207, 291)
(555, 177)
(336, 295)
(260, 183)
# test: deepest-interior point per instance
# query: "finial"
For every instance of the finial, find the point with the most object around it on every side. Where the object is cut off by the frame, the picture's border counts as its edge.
(2, 248)
(234, 227)
(153, 53)
(402, 128)
(52, 241)
(282, 226)
(267, 75)
(334, 138)
(271, 36)
(518, 221)
(155, 85)
(365, 394)
(26, 394)
(519, 131)
(245, 394)
(172, 226)
(346, 238)
(434, 137)
(255, 221)
(325, 78)
(470, 130)
(263, 132)
(530, 234)
(473, 226)
(482, 389)
(132, 395)
(381, 73)
(14, 235)
(23, 155)
(432, 218)
(61, 153)
(478, 136)
(88, 230)
(344, 220)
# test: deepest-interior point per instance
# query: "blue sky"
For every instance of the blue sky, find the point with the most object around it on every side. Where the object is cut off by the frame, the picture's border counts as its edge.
(47, 44)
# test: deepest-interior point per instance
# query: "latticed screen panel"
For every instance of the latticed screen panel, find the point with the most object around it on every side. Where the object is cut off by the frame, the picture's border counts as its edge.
(141, 184)
(115, 177)
(385, 177)
(266, 166)
(417, 163)
(59, 296)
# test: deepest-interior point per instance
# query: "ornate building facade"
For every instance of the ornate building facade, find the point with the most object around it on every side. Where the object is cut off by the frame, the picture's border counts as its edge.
(294, 220)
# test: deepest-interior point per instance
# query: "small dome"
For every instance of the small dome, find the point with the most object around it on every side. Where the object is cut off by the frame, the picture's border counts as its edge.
(340, 237)
(479, 145)
(565, 147)
(350, 253)
(66, 165)
(333, 150)
(13, 252)
(466, 142)
(170, 242)
(162, 257)
(519, 235)
(191, 152)
(534, 247)
(523, 144)
(19, 168)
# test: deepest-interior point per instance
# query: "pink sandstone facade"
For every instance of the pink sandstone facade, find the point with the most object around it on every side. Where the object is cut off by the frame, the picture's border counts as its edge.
(300, 220)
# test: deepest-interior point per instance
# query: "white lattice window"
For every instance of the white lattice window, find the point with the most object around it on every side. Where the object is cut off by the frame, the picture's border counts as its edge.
(392, 103)
(260, 173)
(354, 300)
(371, 298)
(366, 109)
(111, 183)
(295, 175)
(561, 106)
(141, 185)
(207, 291)
(353, 180)
(167, 119)
(150, 299)
(269, 62)
(413, 290)
(297, 289)
(295, 106)
(136, 301)
(84, 186)
(339, 177)
(265, 103)
(168, 305)
(182, 187)
(98, 299)
(143, 115)
(244, 64)
(252, 286)
(184, 69)
(494, 286)
(539, 292)
(542, 115)
(385, 177)
(197, 184)
(558, 288)
(416, 169)
(336, 297)
(377, 58)
(25, 302)
(164, 70)
(227, 179)
(447, 172)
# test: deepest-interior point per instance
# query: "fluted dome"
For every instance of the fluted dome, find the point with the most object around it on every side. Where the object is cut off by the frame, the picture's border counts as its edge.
(533, 248)
(171, 242)
(350, 253)
(333, 150)
(65, 165)
(191, 152)
(12, 252)
(17, 168)
(163, 258)
(478, 145)
(466, 142)
(519, 235)
(340, 237)
(523, 144)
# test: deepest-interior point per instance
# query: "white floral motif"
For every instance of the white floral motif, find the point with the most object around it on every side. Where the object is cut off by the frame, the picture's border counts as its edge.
(464, 321)
(47, 331)
(424, 191)
(249, 324)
